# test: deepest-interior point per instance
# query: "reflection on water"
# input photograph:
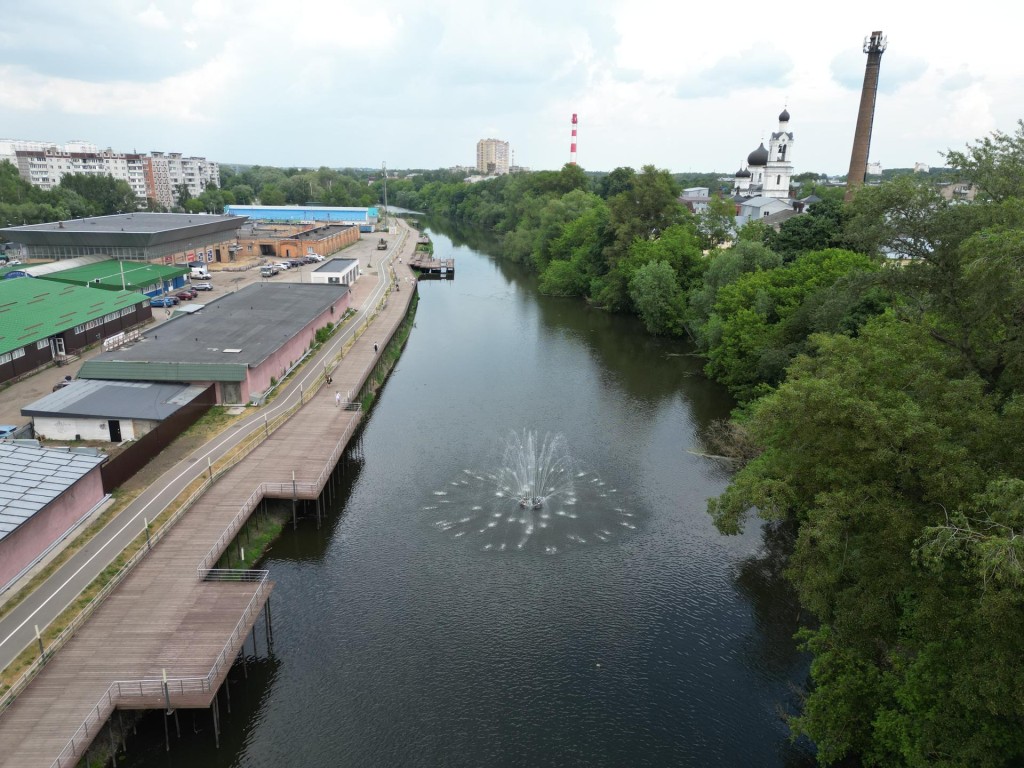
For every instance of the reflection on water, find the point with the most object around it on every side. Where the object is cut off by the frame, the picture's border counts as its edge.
(397, 643)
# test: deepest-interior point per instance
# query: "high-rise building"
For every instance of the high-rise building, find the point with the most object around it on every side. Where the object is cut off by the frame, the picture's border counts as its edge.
(157, 175)
(492, 156)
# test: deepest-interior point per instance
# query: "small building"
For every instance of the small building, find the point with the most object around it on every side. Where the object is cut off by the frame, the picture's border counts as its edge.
(336, 272)
(758, 208)
(242, 343)
(43, 322)
(117, 411)
(44, 494)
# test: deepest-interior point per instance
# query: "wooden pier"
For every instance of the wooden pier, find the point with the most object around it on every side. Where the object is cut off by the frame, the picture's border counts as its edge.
(429, 267)
(167, 636)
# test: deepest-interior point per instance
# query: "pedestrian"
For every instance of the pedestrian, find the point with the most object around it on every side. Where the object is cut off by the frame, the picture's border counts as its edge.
(337, 399)
(375, 346)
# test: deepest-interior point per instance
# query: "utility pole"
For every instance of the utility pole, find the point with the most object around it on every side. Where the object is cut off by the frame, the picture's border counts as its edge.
(384, 168)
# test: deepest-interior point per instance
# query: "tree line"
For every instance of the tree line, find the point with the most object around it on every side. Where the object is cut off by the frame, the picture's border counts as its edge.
(876, 350)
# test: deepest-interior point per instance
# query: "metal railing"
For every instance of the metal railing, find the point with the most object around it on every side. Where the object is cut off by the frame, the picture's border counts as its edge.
(103, 708)
(179, 685)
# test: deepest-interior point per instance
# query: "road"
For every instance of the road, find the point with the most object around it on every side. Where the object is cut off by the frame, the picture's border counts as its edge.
(17, 629)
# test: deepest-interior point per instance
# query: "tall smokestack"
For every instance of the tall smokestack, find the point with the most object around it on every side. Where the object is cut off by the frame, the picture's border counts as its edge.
(874, 47)
(572, 146)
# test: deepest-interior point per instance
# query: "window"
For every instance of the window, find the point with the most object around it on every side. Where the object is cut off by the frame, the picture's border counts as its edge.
(43, 344)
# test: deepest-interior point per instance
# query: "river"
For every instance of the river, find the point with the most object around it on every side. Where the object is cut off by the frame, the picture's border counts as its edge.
(625, 631)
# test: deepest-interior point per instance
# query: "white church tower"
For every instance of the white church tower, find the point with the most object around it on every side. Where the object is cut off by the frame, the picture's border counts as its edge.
(779, 169)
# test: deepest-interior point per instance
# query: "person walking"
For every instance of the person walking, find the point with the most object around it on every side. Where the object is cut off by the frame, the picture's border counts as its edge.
(375, 346)
(337, 399)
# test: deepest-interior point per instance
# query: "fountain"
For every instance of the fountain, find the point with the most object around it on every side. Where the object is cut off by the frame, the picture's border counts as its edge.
(538, 500)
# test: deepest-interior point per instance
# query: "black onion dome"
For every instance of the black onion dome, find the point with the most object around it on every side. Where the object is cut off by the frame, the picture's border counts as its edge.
(784, 116)
(759, 156)
(742, 173)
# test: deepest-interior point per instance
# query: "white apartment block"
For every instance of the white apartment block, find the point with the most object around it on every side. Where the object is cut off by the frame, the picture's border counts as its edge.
(492, 156)
(157, 175)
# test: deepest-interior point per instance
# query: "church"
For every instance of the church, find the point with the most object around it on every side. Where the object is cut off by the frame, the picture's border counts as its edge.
(767, 172)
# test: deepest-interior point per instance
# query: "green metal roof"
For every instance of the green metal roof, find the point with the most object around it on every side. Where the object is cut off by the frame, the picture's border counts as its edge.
(32, 309)
(113, 274)
(121, 370)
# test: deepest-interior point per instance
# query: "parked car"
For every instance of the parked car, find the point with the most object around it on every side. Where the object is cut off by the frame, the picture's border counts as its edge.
(283, 265)
(184, 295)
(191, 291)
(316, 257)
(160, 301)
(295, 262)
(7, 430)
(13, 262)
(202, 287)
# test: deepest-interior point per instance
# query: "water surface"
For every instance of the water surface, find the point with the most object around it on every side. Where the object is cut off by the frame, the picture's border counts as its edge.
(398, 643)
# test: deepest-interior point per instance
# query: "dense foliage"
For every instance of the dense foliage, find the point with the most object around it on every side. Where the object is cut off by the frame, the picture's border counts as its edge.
(76, 196)
(877, 350)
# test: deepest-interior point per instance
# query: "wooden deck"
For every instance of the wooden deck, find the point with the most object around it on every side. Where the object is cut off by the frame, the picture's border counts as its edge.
(428, 266)
(164, 617)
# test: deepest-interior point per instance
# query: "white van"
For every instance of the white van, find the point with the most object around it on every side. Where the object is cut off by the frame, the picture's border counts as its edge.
(200, 273)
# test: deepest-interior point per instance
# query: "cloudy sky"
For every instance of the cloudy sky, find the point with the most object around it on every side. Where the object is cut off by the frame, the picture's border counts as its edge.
(681, 85)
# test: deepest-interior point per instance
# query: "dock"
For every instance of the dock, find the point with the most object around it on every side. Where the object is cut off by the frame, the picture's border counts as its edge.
(429, 267)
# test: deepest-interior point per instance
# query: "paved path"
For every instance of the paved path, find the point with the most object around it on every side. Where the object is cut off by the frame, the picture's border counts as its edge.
(163, 616)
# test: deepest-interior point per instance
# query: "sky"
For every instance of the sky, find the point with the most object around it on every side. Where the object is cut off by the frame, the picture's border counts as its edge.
(683, 86)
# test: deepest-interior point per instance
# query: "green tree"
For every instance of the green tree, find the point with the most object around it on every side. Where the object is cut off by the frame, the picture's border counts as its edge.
(995, 163)
(658, 299)
(757, 327)
(717, 224)
(907, 661)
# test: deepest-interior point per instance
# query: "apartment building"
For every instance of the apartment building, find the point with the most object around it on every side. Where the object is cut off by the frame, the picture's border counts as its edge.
(492, 156)
(156, 175)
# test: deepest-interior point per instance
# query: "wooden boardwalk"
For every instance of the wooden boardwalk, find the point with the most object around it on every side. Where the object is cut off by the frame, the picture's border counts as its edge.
(164, 617)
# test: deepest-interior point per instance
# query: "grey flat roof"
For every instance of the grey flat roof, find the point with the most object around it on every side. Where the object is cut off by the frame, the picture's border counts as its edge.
(99, 398)
(335, 265)
(129, 229)
(30, 478)
(242, 328)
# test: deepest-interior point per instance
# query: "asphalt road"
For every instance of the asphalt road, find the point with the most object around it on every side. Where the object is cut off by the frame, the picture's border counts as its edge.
(17, 629)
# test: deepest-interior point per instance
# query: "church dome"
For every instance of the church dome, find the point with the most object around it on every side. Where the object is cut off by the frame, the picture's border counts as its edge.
(742, 173)
(784, 116)
(759, 156)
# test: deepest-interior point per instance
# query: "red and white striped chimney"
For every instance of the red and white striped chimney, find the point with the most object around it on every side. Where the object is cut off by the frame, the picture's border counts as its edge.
(572, 147)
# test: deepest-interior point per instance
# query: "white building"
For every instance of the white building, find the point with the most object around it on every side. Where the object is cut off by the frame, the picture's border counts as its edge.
(493, 156)
(157, 175)
(768, 171)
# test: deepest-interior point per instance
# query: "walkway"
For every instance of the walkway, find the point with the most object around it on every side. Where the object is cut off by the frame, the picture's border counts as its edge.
(164, 617)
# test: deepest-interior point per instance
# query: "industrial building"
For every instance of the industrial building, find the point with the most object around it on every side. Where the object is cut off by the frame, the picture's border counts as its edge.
(364, 218)
(162, 238)
(42, 322)
(241, 343)
(44, 494)
(284, 241)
